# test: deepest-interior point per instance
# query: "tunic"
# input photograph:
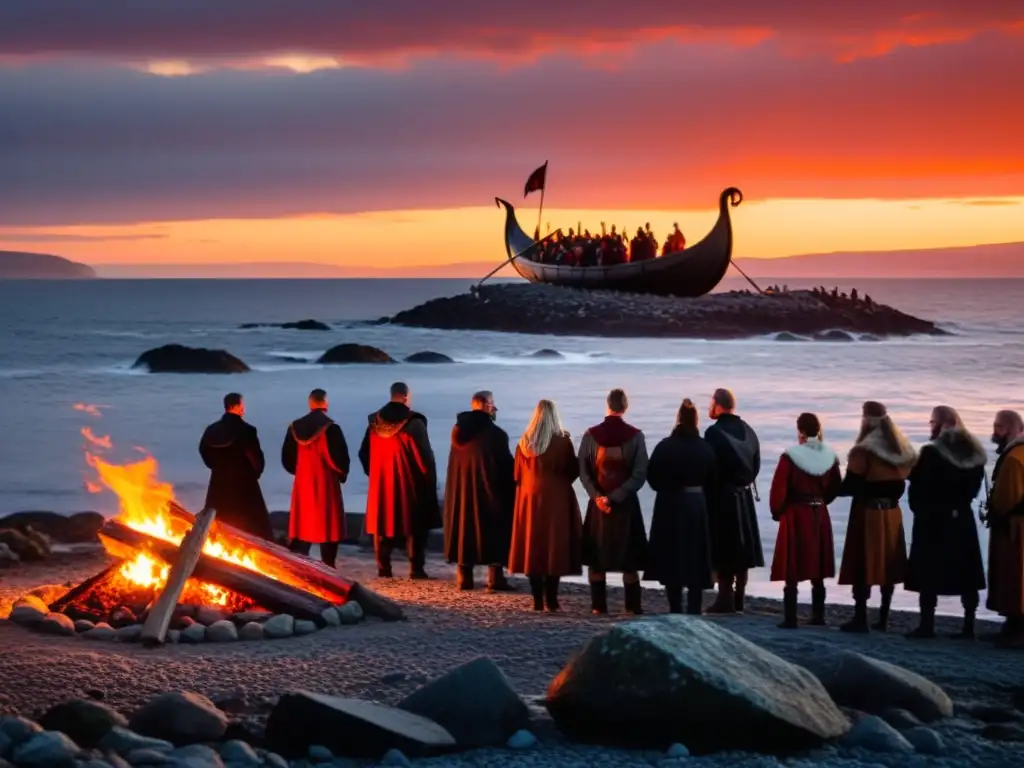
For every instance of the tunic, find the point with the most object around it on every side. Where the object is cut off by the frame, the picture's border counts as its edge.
(1006, 538)
(681, 467)
(231, 449)
(613, 463)
(315, 452)
(399, 462)
(479, 494)
(806, 481)
(547, 528)
(945, 555)
(875, 550)
(735, 534)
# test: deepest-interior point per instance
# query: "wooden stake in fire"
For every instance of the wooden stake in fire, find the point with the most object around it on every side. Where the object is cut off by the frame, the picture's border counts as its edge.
(155, 629)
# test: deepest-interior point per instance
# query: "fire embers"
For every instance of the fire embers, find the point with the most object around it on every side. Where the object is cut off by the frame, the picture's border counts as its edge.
(122, 594)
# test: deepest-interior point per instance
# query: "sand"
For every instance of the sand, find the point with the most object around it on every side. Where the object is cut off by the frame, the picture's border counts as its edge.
(446, 627)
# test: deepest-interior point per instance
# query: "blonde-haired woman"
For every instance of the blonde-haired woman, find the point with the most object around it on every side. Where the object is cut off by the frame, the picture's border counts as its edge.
(547, 529)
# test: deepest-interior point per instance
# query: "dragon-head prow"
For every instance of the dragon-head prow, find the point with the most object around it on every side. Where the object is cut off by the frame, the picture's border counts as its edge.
(730, 196)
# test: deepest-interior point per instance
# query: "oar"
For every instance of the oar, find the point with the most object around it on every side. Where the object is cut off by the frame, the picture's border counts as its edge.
(510, 259)
(756, 287)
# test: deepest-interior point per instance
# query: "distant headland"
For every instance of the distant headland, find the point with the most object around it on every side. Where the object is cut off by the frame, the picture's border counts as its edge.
(550, 310)
(20, 265)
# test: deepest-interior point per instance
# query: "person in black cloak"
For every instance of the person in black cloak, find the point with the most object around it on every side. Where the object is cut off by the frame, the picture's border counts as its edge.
(681, 467)
(479, 495)
(945, 553)
(613, 468)
(231, 449)
(735, 536)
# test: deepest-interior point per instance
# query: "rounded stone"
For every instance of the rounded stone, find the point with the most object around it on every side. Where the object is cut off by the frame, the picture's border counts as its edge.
(350, 613)
(83, 625)
(101, 631)
(280, 626)
(251, 631)
(29, 612)
(222, 631)
(331, 617)
(57, 624)
(129, 634)
(194, 633)
(304, 627)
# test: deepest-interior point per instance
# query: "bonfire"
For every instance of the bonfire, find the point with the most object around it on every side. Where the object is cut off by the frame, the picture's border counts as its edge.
(171, 562)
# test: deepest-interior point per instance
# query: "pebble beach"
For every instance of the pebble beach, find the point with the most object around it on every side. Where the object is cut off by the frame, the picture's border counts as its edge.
(445, 628)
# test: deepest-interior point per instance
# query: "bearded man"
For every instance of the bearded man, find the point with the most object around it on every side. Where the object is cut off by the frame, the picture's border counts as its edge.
(1006, 521)
(875, 550)
(945, 556)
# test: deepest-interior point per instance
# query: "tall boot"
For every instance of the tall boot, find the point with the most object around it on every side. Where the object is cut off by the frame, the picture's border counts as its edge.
(551, 594)
(633, 599)
(694, 601)
(789, 607)
(883, 611)
(725, 602)
(926, 627)
(739, 596)
(537, 590)
(970, 602)
(674, 593)
(598, 598)
(465, 578)
(496, 580)
(818, 604)
(859, 622)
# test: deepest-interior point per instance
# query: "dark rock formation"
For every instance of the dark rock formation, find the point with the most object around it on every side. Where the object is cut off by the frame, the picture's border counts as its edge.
(26, 543)
(550, 310)
(787, 336)
(428, 357)
(67, 529)
(350, 727)
(175, 358)
(180, 717)
(300, 325)
(21, 265)
(354, 353)
(683, 679)
(833, 335)
(548, 354)
(474, 702)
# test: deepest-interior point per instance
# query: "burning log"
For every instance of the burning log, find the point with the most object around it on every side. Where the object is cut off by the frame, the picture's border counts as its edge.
(276, 596)
(189, 551)
(277, 561)
(93, 582)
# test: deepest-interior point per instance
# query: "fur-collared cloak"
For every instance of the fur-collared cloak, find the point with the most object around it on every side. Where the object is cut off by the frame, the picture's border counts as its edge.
(806, 481)
(945, 554)
(875, 549)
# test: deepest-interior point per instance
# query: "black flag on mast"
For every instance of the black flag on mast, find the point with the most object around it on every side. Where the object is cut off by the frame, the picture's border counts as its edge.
(536, 181)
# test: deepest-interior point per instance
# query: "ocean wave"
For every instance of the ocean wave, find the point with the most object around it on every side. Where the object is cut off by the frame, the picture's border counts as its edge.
(20, 373)
(130, 334)
(572, 358)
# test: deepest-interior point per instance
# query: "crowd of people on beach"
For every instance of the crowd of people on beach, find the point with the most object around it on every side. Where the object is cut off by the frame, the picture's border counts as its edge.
(516, 510)
(611, 247)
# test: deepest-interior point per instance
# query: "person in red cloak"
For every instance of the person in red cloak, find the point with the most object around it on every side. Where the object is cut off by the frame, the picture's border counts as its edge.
(315, 452)
(807, 479)
(401, 503)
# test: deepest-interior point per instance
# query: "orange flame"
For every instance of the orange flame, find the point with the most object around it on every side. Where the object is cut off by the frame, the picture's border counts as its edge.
(147, 571)
(92, 487)
(143, 501)
(103, 441)
(92, 410)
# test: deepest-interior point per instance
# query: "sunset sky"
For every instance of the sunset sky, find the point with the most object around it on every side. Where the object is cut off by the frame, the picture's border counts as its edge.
(191, 131)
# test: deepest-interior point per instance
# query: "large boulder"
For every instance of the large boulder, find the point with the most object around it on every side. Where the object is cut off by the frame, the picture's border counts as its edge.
(874, 686)
(86, 722)
(428, 357)
(68, 529)
(176, 358)
(655, 682)
(298, 325)
(350, 727)
(180, 718)
(354, 353)
(474, 702)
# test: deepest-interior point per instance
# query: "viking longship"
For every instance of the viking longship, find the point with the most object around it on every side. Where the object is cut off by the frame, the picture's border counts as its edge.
(691, 272)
